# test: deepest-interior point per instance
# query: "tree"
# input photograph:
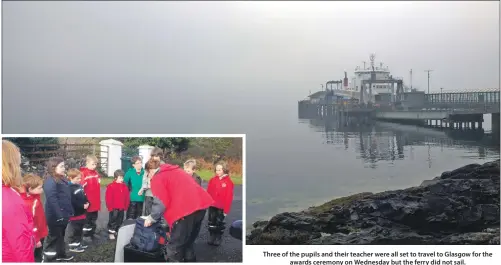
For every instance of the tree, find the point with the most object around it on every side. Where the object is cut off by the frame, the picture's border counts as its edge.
(27, 146)
(21, 141)
(169, 145)
(216, 146)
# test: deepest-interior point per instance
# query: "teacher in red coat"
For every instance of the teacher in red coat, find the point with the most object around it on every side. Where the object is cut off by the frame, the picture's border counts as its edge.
(182, 202)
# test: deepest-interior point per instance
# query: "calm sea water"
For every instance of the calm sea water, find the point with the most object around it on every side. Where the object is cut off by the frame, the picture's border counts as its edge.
(300, 163)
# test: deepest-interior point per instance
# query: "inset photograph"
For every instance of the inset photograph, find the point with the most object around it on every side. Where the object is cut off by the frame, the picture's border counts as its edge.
(122, 199)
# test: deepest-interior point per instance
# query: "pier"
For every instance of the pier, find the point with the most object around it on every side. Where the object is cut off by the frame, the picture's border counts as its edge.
(461, 110)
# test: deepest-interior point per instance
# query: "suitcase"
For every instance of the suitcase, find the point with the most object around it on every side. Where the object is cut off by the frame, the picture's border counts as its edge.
(131, 254)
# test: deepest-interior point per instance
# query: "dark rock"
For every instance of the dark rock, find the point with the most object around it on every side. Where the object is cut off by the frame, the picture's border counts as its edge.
(260, 224)
(459, 207)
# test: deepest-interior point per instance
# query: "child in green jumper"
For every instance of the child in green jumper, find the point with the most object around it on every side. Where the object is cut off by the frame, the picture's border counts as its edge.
(134, 180)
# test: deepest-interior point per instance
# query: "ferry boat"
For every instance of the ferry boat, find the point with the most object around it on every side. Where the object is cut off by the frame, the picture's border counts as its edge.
(379, 74)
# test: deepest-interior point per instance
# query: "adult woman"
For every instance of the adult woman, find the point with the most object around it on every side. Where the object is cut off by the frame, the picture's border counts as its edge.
(18, 241)
(182, 202)
(158, 155)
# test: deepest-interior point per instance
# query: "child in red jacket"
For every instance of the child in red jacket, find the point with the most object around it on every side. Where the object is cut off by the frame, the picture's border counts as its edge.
(30, 192)
(220, 187)
(117, 202)
(91, 183)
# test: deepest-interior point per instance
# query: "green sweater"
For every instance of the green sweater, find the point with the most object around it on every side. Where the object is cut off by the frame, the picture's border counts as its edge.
(131, 178)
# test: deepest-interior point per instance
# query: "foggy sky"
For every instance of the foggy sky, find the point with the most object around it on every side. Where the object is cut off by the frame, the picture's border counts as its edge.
(75, 60)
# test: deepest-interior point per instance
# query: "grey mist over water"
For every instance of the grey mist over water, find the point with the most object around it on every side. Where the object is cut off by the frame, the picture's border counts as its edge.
(238, 67)
(219, 67)
(314, 161)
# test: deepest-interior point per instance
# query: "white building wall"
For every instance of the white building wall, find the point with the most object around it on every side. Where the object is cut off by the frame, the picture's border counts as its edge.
(145, 152)
(111, 150)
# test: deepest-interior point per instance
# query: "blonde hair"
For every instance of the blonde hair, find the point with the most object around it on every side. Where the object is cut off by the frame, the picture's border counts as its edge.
(32, 181)
(191, 163)
(90, 158)
(11, 164)
(224, 165)
(73, 173)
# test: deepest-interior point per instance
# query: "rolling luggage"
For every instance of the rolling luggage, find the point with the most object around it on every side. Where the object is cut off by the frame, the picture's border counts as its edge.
(147, 243)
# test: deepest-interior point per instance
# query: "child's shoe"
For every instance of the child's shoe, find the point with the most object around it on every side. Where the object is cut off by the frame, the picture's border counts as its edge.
(77, 249)
(112, 236)
(65, 258)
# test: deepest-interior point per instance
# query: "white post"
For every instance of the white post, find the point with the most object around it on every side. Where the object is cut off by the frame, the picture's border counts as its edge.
(145, 152)
(111, 155)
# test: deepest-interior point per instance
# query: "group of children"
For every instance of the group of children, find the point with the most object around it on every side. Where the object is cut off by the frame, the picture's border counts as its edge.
(73, 199)
(67, 203)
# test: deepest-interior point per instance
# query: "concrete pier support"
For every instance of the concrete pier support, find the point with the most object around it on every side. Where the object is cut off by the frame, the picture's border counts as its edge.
(495, 123)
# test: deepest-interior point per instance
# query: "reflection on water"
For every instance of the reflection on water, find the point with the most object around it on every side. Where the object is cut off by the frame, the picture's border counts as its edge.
(386, 141)
(334, 160)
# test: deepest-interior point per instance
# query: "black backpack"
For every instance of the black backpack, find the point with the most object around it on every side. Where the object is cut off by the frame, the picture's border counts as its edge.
(148, 239)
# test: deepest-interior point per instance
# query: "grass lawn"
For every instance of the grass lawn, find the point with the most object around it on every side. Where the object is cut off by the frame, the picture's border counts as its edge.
(106, 181)
(206, 175)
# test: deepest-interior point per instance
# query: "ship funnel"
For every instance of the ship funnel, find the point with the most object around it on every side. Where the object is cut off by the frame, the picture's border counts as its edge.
(345, 80)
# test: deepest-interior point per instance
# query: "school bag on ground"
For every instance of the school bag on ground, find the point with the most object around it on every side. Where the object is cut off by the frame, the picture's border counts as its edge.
(148, 239)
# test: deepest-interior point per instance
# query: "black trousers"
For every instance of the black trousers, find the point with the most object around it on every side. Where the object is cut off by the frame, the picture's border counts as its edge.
(90, 224)
(148, 203)
(54, 243)
(76, 232)
(135, 210)
(182, 238)
(39, 252)
(216, 221)
(115, 221)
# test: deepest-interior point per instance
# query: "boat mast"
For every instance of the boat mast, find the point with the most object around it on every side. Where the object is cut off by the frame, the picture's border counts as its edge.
(411, 79)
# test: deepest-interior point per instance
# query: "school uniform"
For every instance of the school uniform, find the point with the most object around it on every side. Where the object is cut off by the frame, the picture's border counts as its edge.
(40, 229)
(221, 190)
(58, 210)
(134, 181)
(117, 201)
(78, 221)
(92, 187)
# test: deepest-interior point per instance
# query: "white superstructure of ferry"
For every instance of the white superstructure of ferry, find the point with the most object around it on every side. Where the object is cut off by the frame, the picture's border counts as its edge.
(367, 72)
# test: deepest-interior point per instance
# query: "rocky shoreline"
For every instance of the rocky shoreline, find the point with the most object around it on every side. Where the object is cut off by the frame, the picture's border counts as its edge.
(459, 207)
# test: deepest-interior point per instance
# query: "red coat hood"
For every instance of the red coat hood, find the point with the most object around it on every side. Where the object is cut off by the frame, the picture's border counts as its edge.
(179, 192)
(33, 203)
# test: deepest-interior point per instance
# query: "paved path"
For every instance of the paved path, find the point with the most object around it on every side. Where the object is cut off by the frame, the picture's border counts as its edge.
(229, 251)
